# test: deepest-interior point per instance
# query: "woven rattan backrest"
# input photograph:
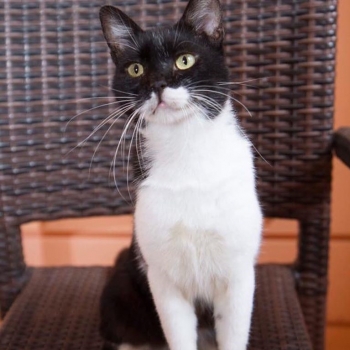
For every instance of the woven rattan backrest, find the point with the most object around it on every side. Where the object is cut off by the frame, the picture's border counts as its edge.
(54, 64)
(54, 60)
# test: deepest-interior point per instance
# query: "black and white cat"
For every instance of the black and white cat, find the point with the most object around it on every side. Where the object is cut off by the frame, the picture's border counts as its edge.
(197, 217)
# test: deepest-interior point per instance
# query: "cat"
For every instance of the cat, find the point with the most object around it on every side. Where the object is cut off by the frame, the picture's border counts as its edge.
(197, 220)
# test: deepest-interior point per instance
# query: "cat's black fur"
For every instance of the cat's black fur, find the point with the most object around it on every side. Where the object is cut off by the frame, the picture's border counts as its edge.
(127, 310)
(156, 50)
(128, 313)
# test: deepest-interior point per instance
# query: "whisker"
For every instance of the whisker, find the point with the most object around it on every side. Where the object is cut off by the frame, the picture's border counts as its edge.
(117, 114)
(243, 105)
(228, 89)
(123, 92)
(131, 118)
(210, 101)
(121, 112)
(92, 98)
(139, 140)
(241, 84)
(244, 81)
(206, 98)
(263, 79)
(93, 156)
(129, 157)
(126, 93)
(198, 82)
(112, 170)
(88, 110)
(251, 142)
(228, 96)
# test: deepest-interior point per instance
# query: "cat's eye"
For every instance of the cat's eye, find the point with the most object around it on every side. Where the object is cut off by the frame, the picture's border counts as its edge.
(185, 61)
(135, 70)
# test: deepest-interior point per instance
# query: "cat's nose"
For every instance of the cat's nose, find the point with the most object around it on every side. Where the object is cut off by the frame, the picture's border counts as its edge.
(159, 85)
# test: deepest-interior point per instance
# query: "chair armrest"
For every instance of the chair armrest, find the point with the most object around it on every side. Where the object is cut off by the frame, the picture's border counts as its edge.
(342, 144)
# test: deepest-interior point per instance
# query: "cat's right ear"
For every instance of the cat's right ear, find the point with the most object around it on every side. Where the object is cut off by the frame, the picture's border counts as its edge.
(205, 17)
(119, 30)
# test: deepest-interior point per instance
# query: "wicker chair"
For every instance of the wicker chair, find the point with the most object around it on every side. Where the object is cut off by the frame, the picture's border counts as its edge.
(54, 57)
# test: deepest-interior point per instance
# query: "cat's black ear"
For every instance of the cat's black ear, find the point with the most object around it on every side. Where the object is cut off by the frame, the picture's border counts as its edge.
(205, 17)
(119, 30)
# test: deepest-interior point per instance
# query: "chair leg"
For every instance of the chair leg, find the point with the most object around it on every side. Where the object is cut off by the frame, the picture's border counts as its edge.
(9, 292)
(13, 273)
(314, 310)
(312, 275)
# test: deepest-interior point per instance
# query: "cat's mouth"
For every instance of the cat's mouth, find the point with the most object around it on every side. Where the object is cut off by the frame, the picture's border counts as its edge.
(163, 106)
(167, 107)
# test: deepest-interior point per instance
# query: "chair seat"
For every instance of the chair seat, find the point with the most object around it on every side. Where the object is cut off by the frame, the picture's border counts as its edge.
(58, 310)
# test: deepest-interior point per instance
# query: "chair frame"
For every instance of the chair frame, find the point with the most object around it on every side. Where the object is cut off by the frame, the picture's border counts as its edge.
(55, 55)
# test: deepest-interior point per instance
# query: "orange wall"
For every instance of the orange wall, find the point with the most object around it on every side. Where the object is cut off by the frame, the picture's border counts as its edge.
(341, 184)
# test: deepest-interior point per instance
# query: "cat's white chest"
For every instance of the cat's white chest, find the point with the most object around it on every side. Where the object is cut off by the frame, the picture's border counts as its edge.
(193, 259)
(198, 207)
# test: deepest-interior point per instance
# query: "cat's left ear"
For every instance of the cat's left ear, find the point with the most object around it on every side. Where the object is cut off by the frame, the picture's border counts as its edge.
(205, 17)
(119, 29)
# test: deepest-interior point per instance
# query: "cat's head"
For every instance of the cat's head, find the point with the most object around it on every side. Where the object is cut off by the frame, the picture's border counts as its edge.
(172, 73)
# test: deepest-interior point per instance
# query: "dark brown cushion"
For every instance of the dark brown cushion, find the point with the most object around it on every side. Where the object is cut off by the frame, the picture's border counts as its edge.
(58, 310)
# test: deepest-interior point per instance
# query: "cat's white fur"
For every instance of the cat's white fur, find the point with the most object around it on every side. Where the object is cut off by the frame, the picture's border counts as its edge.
(173, 108)
(197, 220)
(205, 342)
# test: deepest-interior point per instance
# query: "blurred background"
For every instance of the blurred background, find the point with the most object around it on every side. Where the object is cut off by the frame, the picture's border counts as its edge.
(96, 241)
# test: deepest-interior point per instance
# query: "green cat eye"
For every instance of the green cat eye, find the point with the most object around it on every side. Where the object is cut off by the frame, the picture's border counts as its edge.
(185, 61)
(135, 70)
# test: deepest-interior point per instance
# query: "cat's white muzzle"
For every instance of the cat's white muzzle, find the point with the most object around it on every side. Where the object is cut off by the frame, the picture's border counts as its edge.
(173, 106)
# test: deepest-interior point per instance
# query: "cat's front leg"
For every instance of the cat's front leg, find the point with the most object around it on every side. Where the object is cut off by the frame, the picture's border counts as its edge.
(176, 313)
(233, 306)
